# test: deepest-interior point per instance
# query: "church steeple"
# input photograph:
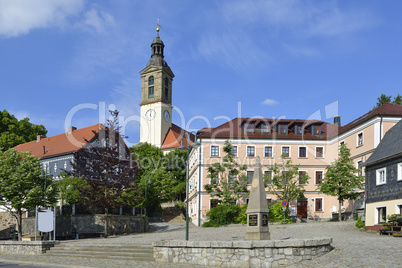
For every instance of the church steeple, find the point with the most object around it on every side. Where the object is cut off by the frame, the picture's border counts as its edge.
(156, 95)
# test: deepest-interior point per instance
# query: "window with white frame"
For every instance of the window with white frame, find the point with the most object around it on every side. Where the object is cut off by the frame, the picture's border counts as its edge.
(400, 172)
(359, 167)
(381, 176)
(234, 151)
(268, 176)
(318, 204)
(250, 151)
(318, 176)
(214, 150)
(360, 139)
(303, 151)
(286, 151)
(319, 152)
(250, 175)
(381, 214)
(268, 151)
(232, 178)
(302, 177)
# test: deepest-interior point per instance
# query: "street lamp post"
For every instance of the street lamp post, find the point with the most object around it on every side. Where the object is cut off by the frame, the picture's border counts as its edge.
(183, 148)
(45, 176)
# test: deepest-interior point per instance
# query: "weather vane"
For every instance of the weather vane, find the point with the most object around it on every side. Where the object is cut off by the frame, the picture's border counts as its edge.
(159, 26)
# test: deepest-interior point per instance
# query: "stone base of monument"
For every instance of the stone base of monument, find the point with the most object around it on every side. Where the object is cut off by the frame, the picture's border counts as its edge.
(257, 236)
(264, 253)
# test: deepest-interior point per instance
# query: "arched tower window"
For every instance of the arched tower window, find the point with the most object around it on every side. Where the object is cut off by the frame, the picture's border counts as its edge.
(150, 87)
(166, 88)
(150, 81)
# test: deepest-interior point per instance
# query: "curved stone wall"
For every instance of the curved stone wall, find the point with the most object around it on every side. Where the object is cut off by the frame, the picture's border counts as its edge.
(264, 253)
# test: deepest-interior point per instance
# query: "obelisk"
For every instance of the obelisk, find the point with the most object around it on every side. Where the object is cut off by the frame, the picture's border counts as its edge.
(257, 209)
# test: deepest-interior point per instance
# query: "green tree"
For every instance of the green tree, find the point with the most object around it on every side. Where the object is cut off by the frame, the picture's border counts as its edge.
(382, 100)
(163, 176)
(228, 179)
(70, 189)
(397, 100)
(21, 186)
(14, 132)
(287, 184)
(341, 179)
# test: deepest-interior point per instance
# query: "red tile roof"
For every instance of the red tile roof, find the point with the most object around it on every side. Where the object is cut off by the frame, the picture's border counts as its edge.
(61, 143)
(234, 129)
(387, 109)
(173, 137)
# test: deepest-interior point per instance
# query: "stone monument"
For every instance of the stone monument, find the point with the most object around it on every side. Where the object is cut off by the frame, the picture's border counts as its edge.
(257, 210)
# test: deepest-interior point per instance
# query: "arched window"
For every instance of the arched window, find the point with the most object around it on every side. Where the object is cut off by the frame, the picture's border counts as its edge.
(150, 81)
(166, 88)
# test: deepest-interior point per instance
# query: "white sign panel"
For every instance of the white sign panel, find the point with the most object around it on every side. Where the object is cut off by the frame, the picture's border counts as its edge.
(45, 221)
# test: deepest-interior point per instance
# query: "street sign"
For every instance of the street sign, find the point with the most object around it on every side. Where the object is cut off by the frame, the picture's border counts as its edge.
(284, 203)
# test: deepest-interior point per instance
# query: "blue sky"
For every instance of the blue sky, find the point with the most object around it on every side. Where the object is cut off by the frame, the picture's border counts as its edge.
(290, 59)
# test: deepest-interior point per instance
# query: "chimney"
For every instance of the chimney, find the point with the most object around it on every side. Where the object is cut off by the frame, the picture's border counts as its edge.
(39, 137)
(337, 120)
(44, 149)
(71, 129)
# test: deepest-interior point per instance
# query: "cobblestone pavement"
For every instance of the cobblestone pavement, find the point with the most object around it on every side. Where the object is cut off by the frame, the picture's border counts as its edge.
(352, 248)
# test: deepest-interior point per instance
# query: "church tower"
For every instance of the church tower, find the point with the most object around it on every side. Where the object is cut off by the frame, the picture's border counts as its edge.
(156, 96)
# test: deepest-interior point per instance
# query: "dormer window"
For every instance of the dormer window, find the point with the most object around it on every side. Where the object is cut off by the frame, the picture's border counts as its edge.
(264, 128)
(249, 128)
(316, 130)
(298, 129)
(283, 129)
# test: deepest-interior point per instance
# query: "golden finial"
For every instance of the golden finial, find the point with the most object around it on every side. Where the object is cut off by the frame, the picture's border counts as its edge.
(159, 26)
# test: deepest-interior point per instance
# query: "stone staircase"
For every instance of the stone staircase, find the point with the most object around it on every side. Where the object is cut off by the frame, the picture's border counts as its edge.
(117, 252)
(172, 214)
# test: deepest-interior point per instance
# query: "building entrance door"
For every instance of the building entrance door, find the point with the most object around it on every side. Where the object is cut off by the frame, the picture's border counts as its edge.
(302, 208)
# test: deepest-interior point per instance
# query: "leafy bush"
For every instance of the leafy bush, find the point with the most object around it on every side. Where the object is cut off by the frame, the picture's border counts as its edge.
(182, 206)
(242, 217)
(222, 215)
(276, 213)
(360, 223)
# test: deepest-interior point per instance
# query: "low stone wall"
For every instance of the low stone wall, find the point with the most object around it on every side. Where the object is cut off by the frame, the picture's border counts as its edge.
(25, 247)
(70, 226)
(8, 225)
(265, 253)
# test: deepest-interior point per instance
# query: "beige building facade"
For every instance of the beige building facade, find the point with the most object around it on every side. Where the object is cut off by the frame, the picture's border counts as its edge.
(313, 145)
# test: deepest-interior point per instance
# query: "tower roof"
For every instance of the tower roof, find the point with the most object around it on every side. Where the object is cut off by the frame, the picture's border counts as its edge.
(157, 55)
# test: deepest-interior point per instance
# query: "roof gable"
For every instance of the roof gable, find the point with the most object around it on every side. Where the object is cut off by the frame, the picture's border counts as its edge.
(173, 137)
(389, 147)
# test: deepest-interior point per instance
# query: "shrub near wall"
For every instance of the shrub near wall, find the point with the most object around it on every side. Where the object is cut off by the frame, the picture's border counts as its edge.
(222, 215)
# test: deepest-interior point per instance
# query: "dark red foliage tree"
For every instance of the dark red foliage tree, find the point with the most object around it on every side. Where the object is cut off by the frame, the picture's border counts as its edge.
(107, 166)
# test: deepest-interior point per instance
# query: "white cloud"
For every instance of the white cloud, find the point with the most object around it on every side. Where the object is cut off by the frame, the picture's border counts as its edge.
(98, 19)
(19, 17)
(269, 102)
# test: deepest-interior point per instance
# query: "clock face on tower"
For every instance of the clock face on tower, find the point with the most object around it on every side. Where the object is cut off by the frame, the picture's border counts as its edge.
(150, 114)
(166, 114)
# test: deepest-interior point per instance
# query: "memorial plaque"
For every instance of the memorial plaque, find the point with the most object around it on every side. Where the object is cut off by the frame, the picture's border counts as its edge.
(252, 220)
(264, 220)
